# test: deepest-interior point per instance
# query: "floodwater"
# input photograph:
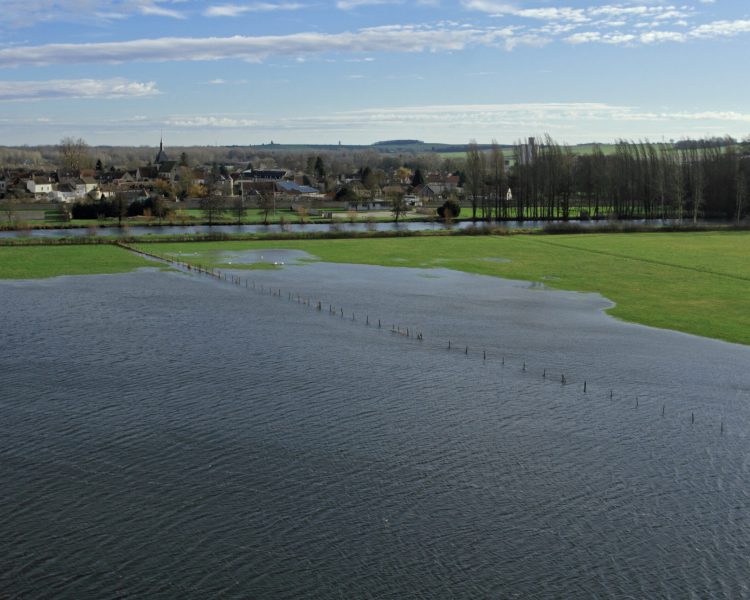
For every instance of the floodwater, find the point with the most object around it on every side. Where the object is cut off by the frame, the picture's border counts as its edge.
(172, 435)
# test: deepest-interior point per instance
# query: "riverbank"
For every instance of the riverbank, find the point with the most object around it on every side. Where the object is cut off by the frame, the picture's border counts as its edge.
(113, 235)
(110, 228)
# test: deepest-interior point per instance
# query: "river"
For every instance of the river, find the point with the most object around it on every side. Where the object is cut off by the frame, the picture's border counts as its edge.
(136, 230)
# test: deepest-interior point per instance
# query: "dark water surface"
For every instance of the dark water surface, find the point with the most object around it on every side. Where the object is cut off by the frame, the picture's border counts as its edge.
(170, 435)
(310, 227)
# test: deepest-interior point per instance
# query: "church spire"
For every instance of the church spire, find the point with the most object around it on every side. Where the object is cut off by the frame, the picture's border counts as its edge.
(161, 156)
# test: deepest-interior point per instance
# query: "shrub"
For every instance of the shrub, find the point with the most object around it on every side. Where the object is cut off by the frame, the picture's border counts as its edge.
(449, 210)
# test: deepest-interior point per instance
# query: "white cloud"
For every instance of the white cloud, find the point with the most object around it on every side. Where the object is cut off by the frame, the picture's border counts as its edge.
(353, 4)
(584, 37)
(638, 22)
(76, 88)
(399, 38)
(27, 13)
(568, 122)
(654, 37)
(718, 29)
(618, 11)
(235, 10)
(350, 4)
(642, 22)
(210, 122)
(587, 37)
(490, 6)
(619, 38)
(576, 15)
(600, 16)
(220, 81)
(160, 11)
(711, 115)
(535, 116)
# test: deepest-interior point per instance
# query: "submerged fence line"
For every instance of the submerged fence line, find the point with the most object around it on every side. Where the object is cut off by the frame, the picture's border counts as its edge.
(396, 329)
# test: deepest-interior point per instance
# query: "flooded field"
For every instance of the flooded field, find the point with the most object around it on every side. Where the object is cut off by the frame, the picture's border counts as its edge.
(169, 434)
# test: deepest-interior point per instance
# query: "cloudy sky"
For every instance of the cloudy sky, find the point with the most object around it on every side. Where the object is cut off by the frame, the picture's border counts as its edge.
(359, 71)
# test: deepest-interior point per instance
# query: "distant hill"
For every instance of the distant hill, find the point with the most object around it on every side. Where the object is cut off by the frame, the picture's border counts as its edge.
(398, 143)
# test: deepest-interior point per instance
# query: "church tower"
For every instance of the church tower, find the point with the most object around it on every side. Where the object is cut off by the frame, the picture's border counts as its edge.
(161, 156)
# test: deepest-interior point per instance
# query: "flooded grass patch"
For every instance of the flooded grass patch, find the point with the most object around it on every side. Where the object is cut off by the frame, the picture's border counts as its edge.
(661, 280)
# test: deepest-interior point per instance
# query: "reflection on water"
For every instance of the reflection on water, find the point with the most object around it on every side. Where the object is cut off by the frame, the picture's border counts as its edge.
(297, 228)
(169, 435)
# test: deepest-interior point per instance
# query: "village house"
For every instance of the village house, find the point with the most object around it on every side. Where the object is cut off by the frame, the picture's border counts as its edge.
(255, 182)
(86, 184)
(65, 192)
(39, 185)
(429, 192)
(441, 184)
(289, 190)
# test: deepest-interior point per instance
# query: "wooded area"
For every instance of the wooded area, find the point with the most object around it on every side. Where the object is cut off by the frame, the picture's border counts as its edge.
(688, 180)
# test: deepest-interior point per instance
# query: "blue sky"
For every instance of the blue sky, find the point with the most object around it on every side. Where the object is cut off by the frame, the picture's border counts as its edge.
(358, 71)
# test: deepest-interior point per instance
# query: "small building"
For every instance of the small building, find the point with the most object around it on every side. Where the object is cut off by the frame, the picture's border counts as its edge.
(86, 184)
(429, 192)
(65, 192)
(147, 174)
(39, 185)
(367, 206)
(264, 174)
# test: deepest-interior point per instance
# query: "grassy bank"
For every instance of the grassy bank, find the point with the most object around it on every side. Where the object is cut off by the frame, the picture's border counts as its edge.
(36, 262)
(693, 282)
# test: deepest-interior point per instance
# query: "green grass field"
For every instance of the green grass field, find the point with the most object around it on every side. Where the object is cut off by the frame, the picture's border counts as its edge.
(36, 262)
(693, 282)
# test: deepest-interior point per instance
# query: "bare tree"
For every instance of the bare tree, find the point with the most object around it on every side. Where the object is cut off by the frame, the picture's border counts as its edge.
(239, 209)
(696, 178)
(497, 179)
(266, 204)
(398, 205)
(158, 207)
(74, 155)
(9, 209)
(741, 193)
(212, 207)
(120, 207)
(476, 169)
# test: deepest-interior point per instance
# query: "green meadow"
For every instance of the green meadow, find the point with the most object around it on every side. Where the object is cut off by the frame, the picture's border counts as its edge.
(697, 283)
(36, 262)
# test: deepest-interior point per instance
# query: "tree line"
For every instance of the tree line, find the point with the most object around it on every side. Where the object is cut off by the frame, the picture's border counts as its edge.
(690, 180)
